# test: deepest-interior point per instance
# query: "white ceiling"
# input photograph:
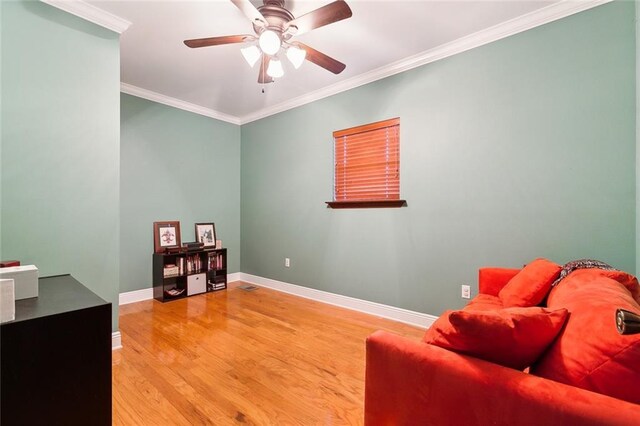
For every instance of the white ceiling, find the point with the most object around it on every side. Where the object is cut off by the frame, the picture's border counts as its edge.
(217, 79)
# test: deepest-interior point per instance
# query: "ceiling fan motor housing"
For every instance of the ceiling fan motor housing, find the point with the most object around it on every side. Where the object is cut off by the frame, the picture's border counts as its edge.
(276, 15)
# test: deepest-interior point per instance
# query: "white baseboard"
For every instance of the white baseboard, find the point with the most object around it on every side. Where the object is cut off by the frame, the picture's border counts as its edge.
(236, 276)
(406, 316)
(135, 296)
(116, 340)
(147, 293)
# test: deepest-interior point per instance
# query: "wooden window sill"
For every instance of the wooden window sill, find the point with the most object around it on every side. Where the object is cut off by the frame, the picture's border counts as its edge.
(366, 204)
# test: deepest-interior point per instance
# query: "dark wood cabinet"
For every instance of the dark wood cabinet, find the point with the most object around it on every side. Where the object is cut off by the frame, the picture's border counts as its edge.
(56, 358)
(178, 275)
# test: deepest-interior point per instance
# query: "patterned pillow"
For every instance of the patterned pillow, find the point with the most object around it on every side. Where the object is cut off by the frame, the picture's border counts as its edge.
(569, 267)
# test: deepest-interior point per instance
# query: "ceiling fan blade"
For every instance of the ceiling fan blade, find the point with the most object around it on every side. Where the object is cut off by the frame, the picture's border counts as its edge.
(263, 78)
(321, 59)
(250, 12)
(215, 41)
(328, 14)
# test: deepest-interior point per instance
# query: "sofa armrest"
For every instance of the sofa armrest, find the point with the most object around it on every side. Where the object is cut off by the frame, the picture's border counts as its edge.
(491, 280)
(412, 383)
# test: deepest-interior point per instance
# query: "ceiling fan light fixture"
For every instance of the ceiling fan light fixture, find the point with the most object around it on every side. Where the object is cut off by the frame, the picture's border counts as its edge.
(274, 25)
(296, 56)
(275, 69)
(269, 42)
(251, 54)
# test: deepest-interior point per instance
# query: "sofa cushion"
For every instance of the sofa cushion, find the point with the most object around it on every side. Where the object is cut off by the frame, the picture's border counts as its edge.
(603, 269)
(627, 280)
(530, 286)
(513, 337)
(589, 353)
(484, 302)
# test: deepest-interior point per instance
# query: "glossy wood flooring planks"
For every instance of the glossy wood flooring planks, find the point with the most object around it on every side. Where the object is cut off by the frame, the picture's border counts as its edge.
(235, 357)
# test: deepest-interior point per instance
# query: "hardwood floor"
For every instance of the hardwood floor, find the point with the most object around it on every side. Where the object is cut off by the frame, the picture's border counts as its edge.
(236, 357)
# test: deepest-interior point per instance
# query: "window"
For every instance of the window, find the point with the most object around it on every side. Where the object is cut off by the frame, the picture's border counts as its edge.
(367, 166)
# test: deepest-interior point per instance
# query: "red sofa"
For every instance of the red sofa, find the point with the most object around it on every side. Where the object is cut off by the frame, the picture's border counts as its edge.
(414, 383)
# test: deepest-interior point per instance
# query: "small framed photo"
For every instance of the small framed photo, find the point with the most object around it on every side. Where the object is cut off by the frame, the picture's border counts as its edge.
(166, 236)
(206, 234)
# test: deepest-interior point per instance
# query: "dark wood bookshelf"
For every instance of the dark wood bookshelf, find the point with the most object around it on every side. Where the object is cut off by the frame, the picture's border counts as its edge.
(188, 273)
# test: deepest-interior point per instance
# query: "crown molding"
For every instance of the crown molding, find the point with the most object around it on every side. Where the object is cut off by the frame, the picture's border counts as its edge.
(91, 13)
(177, 103)
(505, 29)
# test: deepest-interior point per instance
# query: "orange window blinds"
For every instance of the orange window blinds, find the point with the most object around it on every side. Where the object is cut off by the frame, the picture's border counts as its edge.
(367, 162)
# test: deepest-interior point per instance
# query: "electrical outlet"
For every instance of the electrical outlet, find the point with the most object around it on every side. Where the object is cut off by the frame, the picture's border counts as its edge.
(287, 262)
(466, 292)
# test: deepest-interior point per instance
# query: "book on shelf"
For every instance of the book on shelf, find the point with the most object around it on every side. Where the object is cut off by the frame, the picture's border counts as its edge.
(171, 270)
(174, 292)
(215, 261)
(193, 264)
(216, 285)
(194, 246)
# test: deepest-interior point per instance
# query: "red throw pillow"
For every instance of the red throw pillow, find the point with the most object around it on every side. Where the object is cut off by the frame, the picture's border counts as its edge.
(484, 302)
(513, 337)
(531, 285)
(589, 352)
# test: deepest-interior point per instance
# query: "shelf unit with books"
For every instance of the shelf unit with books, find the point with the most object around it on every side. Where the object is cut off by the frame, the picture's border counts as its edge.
(187, 273)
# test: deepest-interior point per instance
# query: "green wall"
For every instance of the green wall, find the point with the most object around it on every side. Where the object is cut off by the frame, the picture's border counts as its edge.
(60, 145)
(175, 165)
(525, 147)
(518, 149)
(637, 4)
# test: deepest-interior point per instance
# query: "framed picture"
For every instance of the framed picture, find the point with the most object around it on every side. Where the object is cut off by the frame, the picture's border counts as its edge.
(206, 234)
(166, 236)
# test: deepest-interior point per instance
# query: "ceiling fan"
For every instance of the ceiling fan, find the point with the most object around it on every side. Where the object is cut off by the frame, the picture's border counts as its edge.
(274, 27)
